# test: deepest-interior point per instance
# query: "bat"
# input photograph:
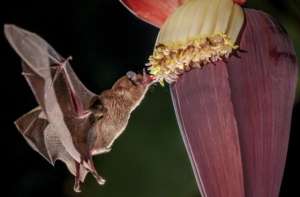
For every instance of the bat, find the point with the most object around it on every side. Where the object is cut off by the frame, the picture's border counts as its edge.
(71, 123)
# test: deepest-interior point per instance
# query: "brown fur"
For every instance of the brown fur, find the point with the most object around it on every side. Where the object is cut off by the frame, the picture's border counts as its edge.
(118, 103)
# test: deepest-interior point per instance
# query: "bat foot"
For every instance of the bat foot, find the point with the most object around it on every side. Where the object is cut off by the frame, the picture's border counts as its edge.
(93, 171)
(77, 188)
(100, 180)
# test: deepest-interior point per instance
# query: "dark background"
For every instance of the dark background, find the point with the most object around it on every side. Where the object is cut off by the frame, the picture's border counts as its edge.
(105, 41)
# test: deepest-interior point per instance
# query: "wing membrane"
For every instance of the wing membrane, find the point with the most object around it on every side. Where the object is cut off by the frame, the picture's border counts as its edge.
(61, 128)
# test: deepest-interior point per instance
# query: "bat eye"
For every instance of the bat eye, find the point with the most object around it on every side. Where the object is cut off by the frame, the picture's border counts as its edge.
(133, 82)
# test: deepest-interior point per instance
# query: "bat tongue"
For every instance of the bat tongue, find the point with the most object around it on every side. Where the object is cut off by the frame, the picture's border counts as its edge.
(147, 79)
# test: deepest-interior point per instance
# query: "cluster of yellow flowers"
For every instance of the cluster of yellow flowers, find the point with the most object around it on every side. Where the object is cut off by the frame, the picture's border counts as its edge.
(170, 60)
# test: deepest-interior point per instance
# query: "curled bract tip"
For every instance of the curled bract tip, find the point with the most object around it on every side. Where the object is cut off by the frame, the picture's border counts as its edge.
(154, 12)
(240, 2)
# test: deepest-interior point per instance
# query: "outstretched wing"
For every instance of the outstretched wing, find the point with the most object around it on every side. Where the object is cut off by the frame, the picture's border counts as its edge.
(63, 99)
(42, 61)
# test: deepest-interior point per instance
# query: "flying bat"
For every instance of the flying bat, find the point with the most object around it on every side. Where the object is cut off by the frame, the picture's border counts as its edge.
(71, 123)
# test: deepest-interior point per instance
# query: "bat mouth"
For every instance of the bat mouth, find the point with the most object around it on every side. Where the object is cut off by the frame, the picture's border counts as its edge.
(149, 79)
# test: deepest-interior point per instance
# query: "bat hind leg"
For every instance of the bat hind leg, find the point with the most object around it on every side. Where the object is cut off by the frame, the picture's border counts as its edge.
(99, 179)
(93, 171)
(91, 168)
(77, 178)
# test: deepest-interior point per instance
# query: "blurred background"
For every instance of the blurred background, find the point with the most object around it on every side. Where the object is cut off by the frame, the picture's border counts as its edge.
(105, 40)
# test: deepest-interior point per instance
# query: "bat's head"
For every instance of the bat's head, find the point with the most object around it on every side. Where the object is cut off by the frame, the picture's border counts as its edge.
(140, 79)
(133, 86)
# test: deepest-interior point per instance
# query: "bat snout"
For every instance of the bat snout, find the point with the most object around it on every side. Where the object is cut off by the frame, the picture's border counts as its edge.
(148, 79)
(143, 79)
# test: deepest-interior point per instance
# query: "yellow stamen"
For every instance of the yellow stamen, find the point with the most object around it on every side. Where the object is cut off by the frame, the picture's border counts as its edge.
(172, 59)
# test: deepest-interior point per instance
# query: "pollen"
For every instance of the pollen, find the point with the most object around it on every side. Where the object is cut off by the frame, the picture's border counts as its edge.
(170, 60)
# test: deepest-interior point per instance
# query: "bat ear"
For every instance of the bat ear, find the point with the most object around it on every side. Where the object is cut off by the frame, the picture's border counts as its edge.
(154, 12)
(131, 75)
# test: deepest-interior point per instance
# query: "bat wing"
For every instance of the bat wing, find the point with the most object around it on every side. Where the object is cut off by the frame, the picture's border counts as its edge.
(43, 138)
(63, 99)
(30, 126)
(43, 66)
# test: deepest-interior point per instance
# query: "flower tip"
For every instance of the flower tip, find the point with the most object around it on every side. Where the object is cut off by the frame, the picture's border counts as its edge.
(240, 2)
(154, 12)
